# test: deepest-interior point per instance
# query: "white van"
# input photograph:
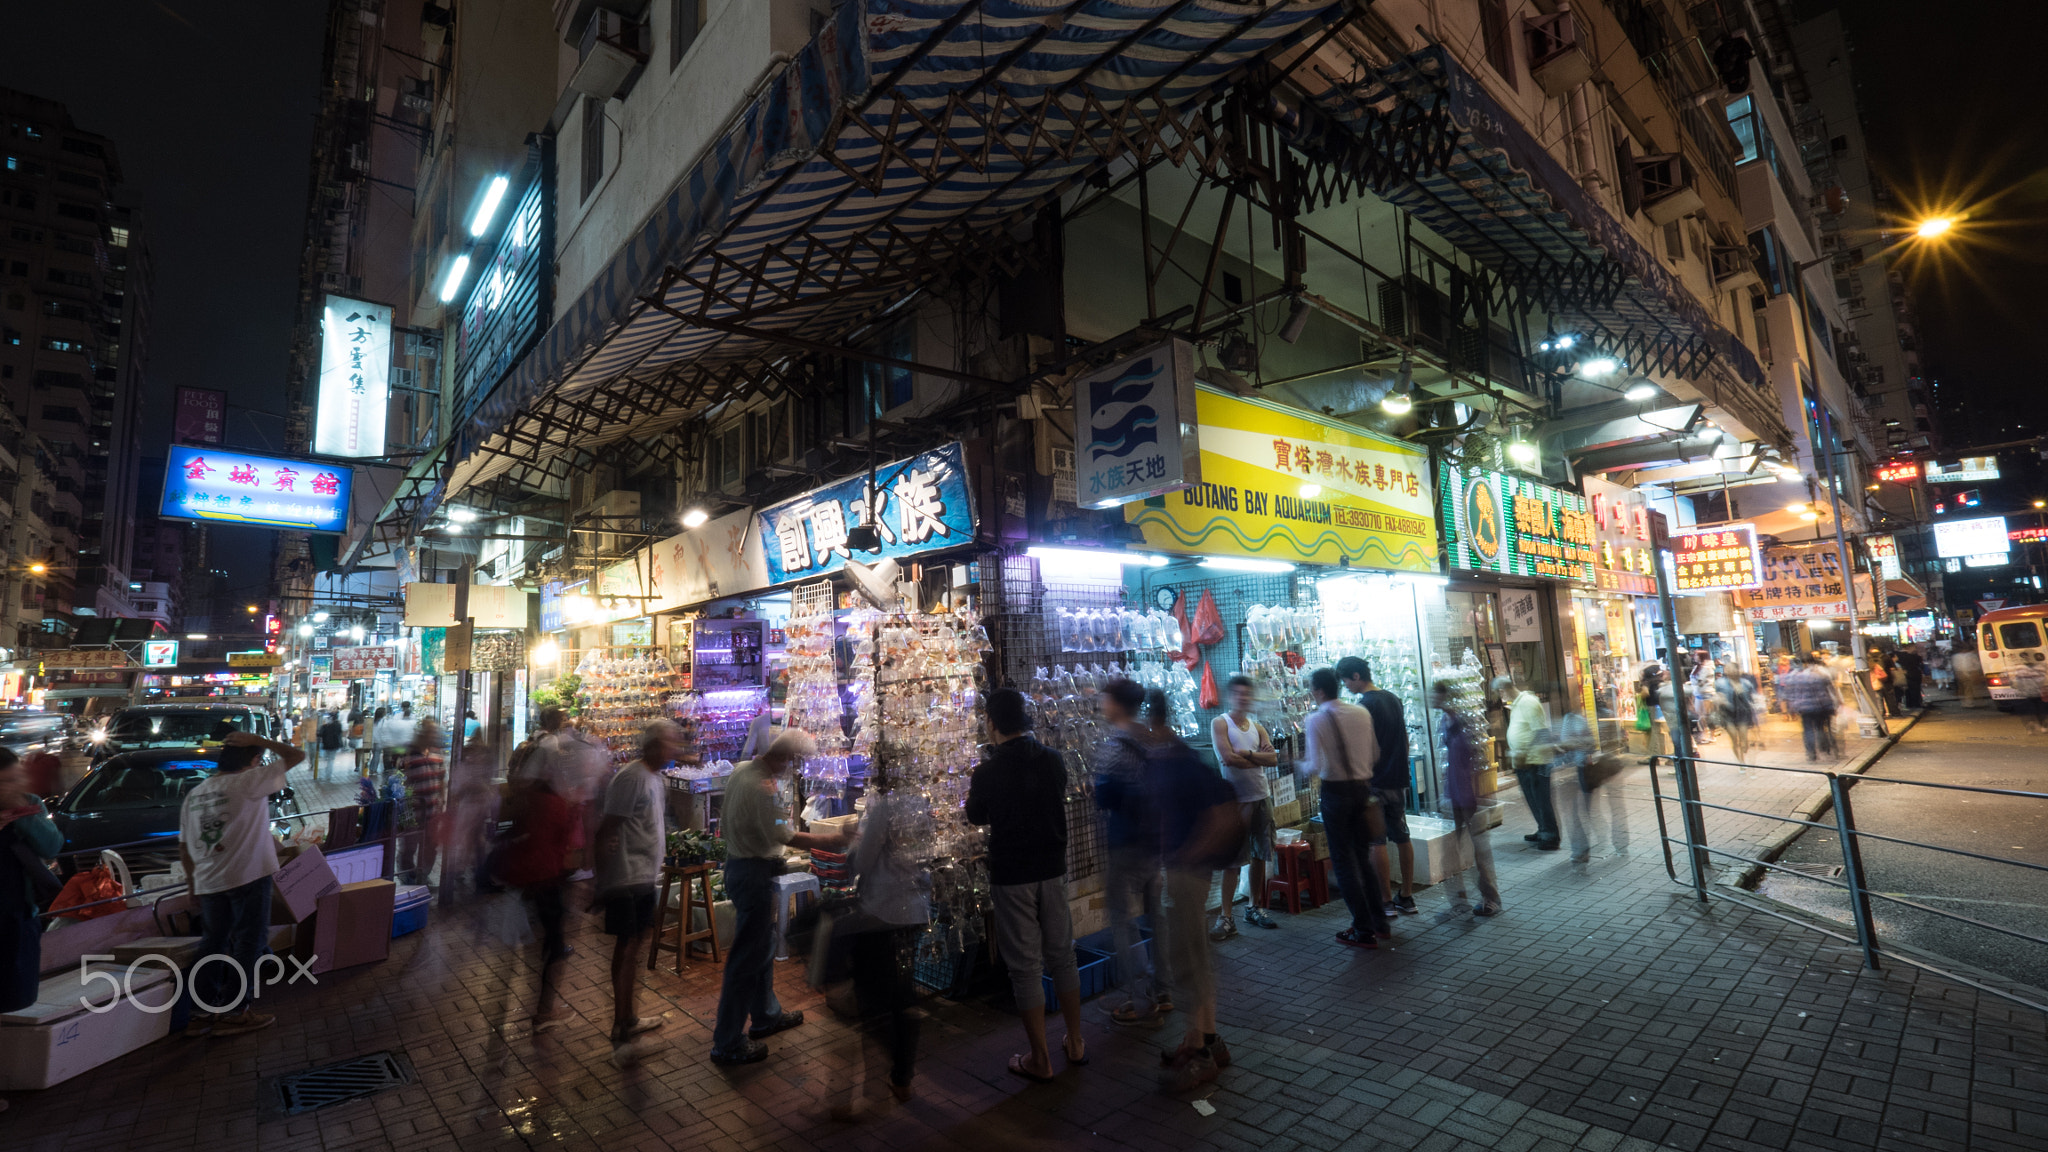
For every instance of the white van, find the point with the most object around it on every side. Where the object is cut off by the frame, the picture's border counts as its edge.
(2008, 639)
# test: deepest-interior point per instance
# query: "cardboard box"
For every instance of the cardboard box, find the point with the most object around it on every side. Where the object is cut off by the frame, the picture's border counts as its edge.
(299, 885)
(1286, 814)
(351, 926)
(56, 1038)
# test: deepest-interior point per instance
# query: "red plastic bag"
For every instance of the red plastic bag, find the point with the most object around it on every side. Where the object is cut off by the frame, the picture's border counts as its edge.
(1188, 655)
(1208, 621)
(1210, 697)
(85, 888)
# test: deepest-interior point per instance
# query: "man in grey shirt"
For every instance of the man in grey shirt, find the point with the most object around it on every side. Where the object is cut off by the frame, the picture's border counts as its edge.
(1341, 751)
(629, 848)
(756, 825)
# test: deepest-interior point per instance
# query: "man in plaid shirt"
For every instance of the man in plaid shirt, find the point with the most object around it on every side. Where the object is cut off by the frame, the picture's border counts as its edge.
(1809, 690)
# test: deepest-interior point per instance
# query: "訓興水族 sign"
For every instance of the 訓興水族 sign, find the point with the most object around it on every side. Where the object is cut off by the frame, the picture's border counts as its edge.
(918, 505)
(1515, 526)
(1282, 483)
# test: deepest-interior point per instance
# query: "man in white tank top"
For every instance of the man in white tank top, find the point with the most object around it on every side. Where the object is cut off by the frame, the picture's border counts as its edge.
(1245, 751)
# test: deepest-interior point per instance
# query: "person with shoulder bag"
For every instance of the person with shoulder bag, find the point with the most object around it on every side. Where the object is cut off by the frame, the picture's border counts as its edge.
(1342, 749)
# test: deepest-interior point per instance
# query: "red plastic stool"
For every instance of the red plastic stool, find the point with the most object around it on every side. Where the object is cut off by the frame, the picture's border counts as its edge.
(1297, 878)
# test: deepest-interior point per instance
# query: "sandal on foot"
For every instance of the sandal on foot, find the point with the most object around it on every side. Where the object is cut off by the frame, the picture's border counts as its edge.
(1131, 1014)
(1017, 1068)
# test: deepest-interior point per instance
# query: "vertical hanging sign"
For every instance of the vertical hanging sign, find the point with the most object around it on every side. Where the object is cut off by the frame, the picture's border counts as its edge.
(355, 378)
(1136, 434)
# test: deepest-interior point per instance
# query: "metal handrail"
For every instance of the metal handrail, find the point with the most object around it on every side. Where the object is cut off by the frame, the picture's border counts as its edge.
(1853, 879)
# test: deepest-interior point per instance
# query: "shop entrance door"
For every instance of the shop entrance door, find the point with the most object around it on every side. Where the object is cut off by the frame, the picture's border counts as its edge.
(1505, 629)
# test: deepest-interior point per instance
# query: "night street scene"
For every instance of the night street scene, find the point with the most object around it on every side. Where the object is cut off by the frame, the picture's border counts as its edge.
(1005, 575)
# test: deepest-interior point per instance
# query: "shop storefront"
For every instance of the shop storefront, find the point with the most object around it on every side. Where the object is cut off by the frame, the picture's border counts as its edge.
(1519, 550)
(1616, 616)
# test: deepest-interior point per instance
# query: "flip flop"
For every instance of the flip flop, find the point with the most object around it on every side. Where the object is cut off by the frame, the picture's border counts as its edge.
(1017, 1069)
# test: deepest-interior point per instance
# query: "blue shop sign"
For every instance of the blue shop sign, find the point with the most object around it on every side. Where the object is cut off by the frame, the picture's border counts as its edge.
(217, 486)
(920, 504)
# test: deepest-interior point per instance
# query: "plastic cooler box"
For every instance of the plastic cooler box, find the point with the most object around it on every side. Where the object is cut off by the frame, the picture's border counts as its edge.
(409, 910)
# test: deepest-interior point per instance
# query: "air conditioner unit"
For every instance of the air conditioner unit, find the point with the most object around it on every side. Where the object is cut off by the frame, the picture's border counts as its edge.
(611, 56)
(1556, 59)
(1734, 268)
(1668, 192)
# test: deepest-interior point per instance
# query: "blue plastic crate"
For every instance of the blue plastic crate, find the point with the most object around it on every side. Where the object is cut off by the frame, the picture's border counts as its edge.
(1104, 942)
(409, 909)
(1094, 969)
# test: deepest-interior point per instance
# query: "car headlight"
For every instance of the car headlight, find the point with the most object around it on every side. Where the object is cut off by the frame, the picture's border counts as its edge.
(97, 735)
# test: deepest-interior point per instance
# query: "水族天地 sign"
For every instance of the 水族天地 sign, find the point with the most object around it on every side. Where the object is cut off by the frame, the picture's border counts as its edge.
(919, 504)
(218, 486)
(1281, 483)
(1136, 435)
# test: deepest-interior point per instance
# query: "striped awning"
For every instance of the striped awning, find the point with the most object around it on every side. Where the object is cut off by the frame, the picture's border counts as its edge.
(903, 127)
(1447, 152)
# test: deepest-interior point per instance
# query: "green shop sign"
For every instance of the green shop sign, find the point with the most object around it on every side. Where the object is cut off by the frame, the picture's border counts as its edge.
(1495, 522)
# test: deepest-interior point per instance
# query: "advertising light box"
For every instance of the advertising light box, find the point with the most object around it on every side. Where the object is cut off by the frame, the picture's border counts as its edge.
(214, 486)
(355, 378)
(1979, 537)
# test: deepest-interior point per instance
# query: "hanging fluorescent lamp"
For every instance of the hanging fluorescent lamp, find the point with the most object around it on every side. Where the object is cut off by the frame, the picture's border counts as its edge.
(1400, 399)
(494, 193)
(452, 282)
(1147, 559)
(1246, 564)
(1598, 366)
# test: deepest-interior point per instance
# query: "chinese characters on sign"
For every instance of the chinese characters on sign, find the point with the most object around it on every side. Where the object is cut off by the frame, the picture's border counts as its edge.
(1899, 471)
(1621, 532)
(1799, 582)
(202, 416)
(1508, 524)
(355, 378)
(362, 662)
(1717, 559)
(919, 504)
(234, 487)
(1138, 427)
(2027, 535)
(1884, 550)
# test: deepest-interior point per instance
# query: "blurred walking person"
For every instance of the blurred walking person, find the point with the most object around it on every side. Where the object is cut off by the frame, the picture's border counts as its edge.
(1808, 692)
(1341, 752)
(1471, 841)
(894, 888)
(1391, 781)
(1734, 711)
(1198, 830)
(1020, 792)
(1245, 751)
(27, 838)
(631, 840)
(1133, 840)
(426, 783)
(1914, 666)
(534, 858)
(332, 740)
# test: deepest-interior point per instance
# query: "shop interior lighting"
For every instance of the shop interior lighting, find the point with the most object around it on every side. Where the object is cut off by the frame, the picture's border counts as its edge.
(1297, 320)
(1795, 508)
(195, 635)
(451, 283)
(1599, 366)
(1147, 559)
(695, 518)
(1400, 399)
(356, 633)
(1246, 564)
(546, 652)
(1641, 390)
(1311, 491)
(494, 194)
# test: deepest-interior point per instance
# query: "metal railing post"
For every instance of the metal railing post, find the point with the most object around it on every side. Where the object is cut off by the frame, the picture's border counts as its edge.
(1689, 812)
(1663, 829)
(1852, 870)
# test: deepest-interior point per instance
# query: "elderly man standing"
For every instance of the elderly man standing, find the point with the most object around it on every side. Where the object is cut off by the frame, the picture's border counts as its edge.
(756, 827)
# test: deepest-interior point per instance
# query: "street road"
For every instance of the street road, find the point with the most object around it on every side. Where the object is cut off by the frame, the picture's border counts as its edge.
(1953, 745)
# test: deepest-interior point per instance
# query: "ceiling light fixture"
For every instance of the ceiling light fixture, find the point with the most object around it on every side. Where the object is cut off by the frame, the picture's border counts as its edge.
(1400, 399)
(1640, 391)
(1599, 366)
(1297, 320)
(695, 518)
(451, 283)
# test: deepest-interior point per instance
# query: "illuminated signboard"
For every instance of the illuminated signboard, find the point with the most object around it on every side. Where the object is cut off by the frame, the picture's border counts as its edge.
(212, 485)
(160, 654)
(1899, 471)
(1884, 550)
(1968, 468)
(1621, 532)
(510, 296)
(1716, 559)
(355, 378)
(254, 660)
(2028, 535)
(1979, 537)
(1514, 525)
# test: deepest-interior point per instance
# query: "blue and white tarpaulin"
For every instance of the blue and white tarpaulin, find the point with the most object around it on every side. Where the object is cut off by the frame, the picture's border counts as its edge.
(1499, 195)
(892, 66)
(920, 504)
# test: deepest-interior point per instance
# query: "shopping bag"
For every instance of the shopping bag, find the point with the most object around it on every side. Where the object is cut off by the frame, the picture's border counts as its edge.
(1210, 697)
(86, 888)
(1208, 621)
(1189, 654)
(508, 922)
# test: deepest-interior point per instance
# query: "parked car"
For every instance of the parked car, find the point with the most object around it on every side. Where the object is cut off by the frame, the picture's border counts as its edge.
(188, 726)
(26, 733)
(133, 800)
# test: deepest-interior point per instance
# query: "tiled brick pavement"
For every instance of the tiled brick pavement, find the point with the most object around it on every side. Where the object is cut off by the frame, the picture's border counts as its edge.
(1605, 1010)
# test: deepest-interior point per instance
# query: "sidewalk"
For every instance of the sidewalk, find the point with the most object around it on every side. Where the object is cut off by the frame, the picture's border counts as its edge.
(1605, 1010)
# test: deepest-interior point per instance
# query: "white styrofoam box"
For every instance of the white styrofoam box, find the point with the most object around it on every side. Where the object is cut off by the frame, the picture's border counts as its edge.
(356, 864)
(1433, 848)
(57, 1038)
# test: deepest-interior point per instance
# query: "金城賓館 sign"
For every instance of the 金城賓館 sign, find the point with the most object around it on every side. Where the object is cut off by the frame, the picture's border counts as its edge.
(219, 486)
(1515, 526)
(919, 504)
(1281, 483)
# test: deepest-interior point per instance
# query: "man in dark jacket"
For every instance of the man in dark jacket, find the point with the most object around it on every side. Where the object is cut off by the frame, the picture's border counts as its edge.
(1133, 877)
(1020, 792)
(1390, 781)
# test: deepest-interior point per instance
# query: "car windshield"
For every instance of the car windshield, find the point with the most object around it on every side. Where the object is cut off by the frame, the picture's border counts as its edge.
(137, 729)
(122, 787)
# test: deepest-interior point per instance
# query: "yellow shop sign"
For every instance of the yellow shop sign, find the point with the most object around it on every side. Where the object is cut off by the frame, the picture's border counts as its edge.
(1281, 483)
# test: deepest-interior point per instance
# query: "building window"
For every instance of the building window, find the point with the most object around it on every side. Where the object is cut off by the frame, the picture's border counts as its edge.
(62, 414)
(685, 20)
(593, 144)
(1500, 53)
(118, 237)
(55, 345)
(77, 211)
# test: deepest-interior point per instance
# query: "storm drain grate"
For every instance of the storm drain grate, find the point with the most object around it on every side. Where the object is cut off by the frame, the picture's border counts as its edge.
(349, 1080)
(1824, 871)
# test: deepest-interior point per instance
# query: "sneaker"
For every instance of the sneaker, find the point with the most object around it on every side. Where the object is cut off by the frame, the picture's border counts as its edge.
(1533, 837)
(633, 1051)
(1353, 938)
(240, 1022)
(749, 1052)
(782, 1023)
(1488, 910)
(581, 874)
(1258, 918)
(1406, 904)
(1223, 929)
(1582, 857)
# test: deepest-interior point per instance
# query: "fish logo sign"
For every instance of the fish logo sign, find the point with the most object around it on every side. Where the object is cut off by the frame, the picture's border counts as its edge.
(1138, 424)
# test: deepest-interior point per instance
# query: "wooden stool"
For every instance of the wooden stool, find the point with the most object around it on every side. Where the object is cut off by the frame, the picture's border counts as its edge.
(696, 880)
(1295, 879)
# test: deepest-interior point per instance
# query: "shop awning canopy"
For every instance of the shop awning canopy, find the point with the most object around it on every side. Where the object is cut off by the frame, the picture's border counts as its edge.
(1423, 134)
(905, 139)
